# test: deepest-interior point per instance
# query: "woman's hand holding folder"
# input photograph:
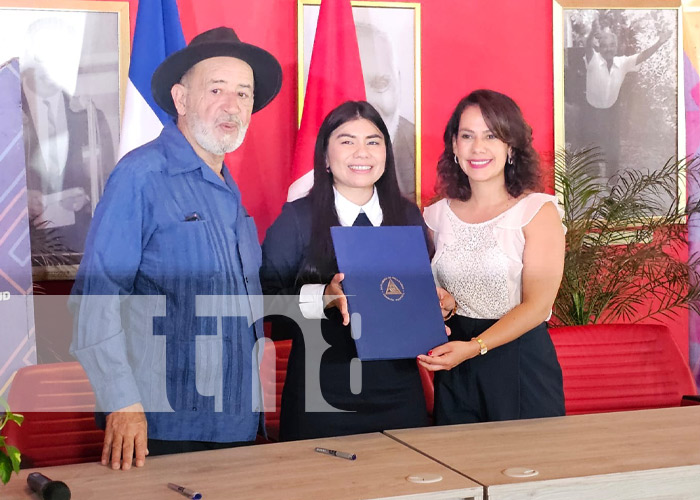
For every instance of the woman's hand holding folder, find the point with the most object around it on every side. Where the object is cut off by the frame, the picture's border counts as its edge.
(333, 296)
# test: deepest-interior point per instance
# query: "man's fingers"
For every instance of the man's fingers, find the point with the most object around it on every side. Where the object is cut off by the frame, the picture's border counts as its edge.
(127, 452)
(125, 438)
(106, 447)
(140, 451)
(117, 451)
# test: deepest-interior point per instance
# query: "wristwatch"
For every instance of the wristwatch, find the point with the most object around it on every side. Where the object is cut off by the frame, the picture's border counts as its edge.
(483, 349)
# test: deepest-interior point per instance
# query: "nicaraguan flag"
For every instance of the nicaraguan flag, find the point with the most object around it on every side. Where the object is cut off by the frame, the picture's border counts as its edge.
(157, 34)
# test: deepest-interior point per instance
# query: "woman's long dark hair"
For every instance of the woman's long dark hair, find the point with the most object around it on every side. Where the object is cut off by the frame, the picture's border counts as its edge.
(320, 265)
(505, 120)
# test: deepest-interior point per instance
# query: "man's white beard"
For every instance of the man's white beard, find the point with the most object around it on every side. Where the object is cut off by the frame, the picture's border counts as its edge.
(206, 139)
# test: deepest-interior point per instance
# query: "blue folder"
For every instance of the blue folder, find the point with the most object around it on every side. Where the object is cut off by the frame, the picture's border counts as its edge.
(394, 307)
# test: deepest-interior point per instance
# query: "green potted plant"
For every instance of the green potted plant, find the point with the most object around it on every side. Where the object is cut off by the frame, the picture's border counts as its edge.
(625, 242)
(9, 455)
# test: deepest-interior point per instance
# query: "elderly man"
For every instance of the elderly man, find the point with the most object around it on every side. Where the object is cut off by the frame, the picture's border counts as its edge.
(67, 141)
(605, 74)
(165, 318)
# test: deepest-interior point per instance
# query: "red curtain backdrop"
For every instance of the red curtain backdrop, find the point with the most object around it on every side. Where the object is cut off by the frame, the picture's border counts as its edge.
(505, 45)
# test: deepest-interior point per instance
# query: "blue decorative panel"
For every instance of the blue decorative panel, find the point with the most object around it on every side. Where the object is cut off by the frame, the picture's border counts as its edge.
(17, 343)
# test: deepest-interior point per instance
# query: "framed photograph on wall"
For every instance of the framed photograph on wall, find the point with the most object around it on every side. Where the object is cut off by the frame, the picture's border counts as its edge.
(388, 36)
(73, 59)
(618, 84)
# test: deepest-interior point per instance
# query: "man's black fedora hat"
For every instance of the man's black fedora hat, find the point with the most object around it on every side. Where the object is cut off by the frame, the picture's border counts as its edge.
(214, 43)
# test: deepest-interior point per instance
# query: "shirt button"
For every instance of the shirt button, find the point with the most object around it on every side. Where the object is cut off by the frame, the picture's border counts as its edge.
(194, 408)
(246, 281)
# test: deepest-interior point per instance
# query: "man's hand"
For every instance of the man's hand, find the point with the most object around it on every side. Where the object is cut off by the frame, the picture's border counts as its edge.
(125, 438)
(333, 296)
(35, 203)
(75, 202)
(665, 36)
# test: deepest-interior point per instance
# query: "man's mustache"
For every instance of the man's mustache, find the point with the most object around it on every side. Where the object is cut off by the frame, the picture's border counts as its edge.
(230, 119)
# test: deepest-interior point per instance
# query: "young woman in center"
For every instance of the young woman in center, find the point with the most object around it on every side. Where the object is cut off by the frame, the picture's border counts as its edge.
(500, 254)
(354, 184)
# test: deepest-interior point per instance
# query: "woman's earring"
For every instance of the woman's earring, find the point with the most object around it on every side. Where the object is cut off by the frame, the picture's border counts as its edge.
(456, 160)
(328, 169)
(510, 159)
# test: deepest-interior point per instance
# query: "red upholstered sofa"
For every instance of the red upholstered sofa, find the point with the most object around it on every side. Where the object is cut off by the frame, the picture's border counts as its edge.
(59, 427)
(617, 367)
(273, 372)
(612, 367)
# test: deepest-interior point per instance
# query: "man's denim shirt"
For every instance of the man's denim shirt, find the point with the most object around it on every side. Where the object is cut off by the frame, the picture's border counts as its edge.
(166, 296)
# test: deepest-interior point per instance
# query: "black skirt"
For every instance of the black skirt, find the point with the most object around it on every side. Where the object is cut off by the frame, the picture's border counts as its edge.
(376, 396)
(521, 379)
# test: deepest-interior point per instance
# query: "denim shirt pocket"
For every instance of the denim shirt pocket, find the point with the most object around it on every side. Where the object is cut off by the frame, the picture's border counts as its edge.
(181, 250)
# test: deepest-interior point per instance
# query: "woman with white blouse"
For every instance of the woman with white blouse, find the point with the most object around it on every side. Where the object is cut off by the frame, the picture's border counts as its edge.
(500, 254)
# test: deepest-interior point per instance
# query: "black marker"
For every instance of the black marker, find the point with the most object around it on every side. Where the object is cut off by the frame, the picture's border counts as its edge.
(341, 454)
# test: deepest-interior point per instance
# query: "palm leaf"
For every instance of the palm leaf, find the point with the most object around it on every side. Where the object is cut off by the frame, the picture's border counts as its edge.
(625, 240)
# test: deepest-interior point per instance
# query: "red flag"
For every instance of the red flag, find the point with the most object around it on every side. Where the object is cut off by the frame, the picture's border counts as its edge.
(335, 76)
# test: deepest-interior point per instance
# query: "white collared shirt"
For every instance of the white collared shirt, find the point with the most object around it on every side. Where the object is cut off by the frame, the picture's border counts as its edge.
(603, 85)
(348, 211)
(311, 296)
(39, 108)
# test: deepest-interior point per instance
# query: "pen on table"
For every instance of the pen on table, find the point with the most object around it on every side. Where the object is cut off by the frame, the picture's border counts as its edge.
(185, 491)
(341, 454)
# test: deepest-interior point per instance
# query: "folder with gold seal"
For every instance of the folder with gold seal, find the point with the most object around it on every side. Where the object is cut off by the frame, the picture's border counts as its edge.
(393, 304)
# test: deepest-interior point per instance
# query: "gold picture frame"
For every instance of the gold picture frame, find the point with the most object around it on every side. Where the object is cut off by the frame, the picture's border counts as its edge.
(74, 63)
(398, 23)
(635, 114)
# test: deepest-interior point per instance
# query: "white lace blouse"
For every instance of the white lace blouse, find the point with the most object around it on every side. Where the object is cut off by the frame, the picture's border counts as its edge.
(481, 264)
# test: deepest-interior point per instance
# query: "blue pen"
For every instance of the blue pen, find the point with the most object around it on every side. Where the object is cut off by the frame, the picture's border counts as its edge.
(335, 453)
(185, 491)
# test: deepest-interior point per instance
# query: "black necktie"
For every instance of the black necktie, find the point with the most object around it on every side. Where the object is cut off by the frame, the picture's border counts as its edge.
(362, 220)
